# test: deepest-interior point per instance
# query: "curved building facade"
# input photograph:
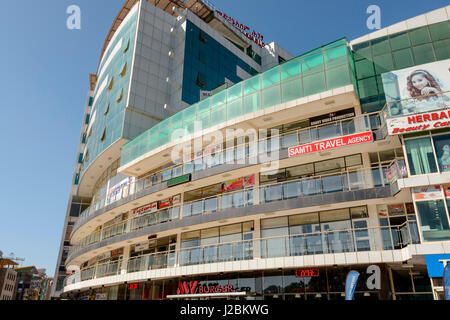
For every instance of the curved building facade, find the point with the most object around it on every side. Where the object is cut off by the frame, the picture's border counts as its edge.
(213, 165)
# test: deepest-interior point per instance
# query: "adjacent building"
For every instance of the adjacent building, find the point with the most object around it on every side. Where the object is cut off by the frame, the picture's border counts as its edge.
(7, 278)
(213, 165)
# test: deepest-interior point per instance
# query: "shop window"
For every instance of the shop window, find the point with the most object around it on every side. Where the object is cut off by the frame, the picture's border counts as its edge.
(420, 156)
(442, 148)
(433, 220)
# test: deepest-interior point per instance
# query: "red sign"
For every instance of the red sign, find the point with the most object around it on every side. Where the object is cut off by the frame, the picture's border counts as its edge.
(307, 273)
(132, 286)
(256, 37)
(331, 144)
(238, 183)
(193, 287)
(420, 122)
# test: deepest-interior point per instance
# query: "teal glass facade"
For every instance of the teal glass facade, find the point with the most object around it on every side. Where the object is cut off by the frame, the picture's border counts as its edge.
(322, 69)
(401, 50)
(109, 106)
(206, 64)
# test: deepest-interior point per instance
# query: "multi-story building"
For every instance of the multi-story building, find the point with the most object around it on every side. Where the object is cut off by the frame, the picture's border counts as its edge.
(286, 175)
(7, 278)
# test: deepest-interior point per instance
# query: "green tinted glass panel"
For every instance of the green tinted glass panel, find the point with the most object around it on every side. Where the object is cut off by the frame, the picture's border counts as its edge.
(234, 109)
(189, 111)
(380, 45)
(383, 63)
(176, 126)
(338, 77)
(403, 58)
(271, 77)
(314, 83)
(218, 115)
(364, 69)
(218, 98)
(291, 90)
(440, 30)
(419, 36)
(367, 87)
(164, 137)
(291, 69)
(204, 105)
(271, 96)
(442, 49)
(399, 41)
(235, 91)
(363, 50)
(423, 54)
(335, 57)
(252, 102)
(252, 85)
(204, 118)
(189, 125)
(312, 64)
(176, 117)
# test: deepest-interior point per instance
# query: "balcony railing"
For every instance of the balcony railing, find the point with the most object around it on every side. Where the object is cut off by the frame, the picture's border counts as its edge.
(243, 153)
(325, 242)
(355, 179)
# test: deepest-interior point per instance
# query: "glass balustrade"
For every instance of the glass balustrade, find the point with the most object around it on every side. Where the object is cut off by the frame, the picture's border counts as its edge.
(242, 153)
(325, 242)
(346, 181)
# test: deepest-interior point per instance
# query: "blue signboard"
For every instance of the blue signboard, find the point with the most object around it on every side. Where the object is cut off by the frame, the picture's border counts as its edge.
(446, 281)
(434, 266)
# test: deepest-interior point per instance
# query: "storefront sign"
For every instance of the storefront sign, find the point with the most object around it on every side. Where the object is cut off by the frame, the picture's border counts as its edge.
(419, 122)
(194, 287)
(427, 193)
(335, 116)
(145, 209)
(101, 296)
(256, 37)
(132, 286)
(179, 180)
(446, 281)
(118, 191)
(141, 246)
(435, 264)
(238, 183)
(170, 202)
(331, 144)
(307, 273)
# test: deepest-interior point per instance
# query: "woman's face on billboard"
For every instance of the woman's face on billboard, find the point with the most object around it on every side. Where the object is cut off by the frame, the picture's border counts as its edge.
(419, 81)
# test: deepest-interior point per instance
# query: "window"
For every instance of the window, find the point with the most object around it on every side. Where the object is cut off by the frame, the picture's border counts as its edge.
(103, 135)
(442, 147)
(433, 220)
(124, 71)
(202, 38)
(121, 96)
(128, 47)
(107, 110)
(201, 80)
(111, 84)
(420, 156)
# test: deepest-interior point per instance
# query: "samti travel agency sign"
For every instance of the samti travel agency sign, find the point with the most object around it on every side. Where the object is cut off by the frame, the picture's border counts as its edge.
(331, 144)
(419, 122)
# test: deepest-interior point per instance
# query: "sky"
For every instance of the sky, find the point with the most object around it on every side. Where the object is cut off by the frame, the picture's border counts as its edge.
(45, 82)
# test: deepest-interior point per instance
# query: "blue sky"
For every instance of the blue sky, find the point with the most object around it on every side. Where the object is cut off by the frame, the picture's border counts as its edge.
(45, 81)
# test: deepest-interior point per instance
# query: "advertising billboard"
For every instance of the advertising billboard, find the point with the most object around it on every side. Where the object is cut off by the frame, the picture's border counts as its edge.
(423, 88)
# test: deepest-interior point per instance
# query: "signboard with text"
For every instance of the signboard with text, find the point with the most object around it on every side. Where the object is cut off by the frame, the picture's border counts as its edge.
(331, 144)
(419, 122)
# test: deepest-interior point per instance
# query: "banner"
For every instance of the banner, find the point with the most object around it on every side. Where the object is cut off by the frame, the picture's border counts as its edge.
(115, 193)
(238, 183)
(446, 281)
(331, 144)
(427, 193)
(350, 284)
(152, 207)
(419, 122)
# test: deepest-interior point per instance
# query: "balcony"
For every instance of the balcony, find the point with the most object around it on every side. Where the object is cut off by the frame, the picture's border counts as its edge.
(244, 154)
(305, 244)
(351, 180)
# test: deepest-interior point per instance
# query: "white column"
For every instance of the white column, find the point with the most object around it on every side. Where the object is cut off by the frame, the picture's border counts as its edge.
(125, 257)
(257, 235)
